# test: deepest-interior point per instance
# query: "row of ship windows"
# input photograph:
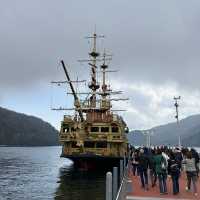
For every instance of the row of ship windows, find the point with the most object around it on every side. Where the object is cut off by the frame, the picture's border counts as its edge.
(96, 129)
(114, 129)
(89, 144)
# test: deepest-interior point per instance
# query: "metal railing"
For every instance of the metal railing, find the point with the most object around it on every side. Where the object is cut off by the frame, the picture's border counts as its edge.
(116, 180)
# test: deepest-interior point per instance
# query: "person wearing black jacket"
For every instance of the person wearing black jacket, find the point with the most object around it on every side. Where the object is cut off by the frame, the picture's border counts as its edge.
(143, 163)
(174, 171)
(135, 162)
(152, 167)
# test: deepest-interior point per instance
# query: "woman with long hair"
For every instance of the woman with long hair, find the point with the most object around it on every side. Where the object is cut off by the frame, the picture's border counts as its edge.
(191, 171)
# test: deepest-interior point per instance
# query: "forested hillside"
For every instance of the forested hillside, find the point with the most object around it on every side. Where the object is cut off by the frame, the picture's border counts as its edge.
(21, 129)
(168, 134)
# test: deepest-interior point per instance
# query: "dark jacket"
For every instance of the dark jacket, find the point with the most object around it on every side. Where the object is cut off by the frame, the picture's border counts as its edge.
(195, 155)
(152, 164)
(179, 158)
(159, 160)
(173, 167)
(143, 162)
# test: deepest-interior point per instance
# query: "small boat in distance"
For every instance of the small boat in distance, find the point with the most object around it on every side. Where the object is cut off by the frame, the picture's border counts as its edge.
(94, 137)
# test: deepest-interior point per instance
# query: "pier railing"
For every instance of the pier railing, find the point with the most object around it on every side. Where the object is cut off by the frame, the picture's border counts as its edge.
(116, 181)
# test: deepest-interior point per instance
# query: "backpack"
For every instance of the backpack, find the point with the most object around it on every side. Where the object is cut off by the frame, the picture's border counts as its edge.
(163, 164)
(174, 167)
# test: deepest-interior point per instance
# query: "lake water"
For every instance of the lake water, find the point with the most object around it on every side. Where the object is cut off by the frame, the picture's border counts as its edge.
(39, 173)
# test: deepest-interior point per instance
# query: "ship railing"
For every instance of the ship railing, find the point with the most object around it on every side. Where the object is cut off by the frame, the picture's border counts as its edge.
(116, 117)
(64, 136)
(68, 117)
(115, 189)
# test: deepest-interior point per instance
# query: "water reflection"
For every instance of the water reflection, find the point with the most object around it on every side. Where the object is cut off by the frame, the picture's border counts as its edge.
(39, 173)
(80, 185)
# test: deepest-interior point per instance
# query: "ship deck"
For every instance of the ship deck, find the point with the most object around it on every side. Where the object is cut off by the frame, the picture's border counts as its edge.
(133, 190)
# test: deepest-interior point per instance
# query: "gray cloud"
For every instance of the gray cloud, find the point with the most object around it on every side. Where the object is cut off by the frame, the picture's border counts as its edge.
(155, 43)
(152, 41)
(152, 105)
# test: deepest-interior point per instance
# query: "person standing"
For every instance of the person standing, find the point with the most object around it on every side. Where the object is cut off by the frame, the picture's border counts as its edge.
(143, 163)
(191, 172)
(178, 156)
(174, 171)
(135, 162)
(152, 167)
(161, 171)
(195, 155)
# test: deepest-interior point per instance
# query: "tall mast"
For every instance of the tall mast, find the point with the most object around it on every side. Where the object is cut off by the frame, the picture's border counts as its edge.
(93, 85)
(104, 67)
(76, 99)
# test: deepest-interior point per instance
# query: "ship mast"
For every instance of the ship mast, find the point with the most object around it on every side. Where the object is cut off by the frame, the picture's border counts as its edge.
(93, 85)
(92, 106)
(104, 67)
(76, 99)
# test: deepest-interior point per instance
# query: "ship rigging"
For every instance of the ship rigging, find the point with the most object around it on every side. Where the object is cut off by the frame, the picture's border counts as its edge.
(94, 133)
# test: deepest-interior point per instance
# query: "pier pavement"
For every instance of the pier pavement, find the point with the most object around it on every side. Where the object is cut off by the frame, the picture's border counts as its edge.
(132, 190)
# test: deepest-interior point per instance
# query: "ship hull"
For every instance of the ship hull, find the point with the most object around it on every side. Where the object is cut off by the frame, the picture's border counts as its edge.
(93, 162)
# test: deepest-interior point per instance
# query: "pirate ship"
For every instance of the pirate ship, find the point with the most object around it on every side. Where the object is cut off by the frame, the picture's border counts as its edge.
(94, 136)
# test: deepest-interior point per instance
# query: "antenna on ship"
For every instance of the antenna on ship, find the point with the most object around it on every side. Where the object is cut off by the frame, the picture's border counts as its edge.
(177, 116)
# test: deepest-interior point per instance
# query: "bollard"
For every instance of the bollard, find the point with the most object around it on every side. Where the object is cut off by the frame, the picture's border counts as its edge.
(115, 182)
(109, 186)
(121, 170)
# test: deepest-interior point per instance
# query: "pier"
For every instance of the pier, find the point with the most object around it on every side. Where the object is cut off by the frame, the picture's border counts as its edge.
(131, 189)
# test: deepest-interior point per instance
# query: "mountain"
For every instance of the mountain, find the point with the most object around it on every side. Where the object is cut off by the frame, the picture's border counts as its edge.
(21, 129)
(188, 129)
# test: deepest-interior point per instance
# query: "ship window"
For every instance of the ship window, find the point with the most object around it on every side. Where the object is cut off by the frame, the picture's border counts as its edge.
(101, 145)
(65, 129)
(104, 129)
(74, 145)
(88, 144)
(94, 129)
(73, 129)
(115, 129)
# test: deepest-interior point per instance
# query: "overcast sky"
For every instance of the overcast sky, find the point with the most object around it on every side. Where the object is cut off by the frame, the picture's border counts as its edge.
(155, 45)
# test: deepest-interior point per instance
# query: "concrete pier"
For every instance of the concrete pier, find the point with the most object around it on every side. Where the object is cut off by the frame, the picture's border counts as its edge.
(132, 189)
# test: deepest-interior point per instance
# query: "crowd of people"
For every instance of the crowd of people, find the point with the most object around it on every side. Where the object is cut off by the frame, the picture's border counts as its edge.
(160, 163)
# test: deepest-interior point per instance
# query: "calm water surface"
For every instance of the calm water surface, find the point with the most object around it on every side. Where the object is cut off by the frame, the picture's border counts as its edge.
(39, 173)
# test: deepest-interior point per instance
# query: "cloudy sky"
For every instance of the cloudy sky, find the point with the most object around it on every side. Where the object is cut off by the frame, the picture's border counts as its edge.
(155, 45)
